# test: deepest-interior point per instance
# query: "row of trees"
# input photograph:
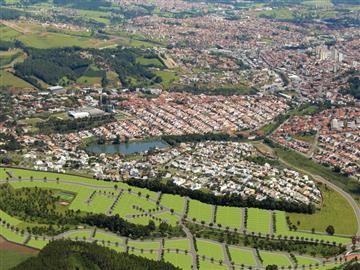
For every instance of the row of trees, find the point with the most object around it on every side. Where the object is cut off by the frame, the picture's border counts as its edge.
(227, 200)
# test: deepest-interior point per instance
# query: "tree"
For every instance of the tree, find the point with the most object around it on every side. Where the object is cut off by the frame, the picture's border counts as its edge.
(272, 267)
(330, 230)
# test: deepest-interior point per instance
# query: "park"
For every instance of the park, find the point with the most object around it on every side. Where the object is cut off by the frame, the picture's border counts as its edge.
(81, 195)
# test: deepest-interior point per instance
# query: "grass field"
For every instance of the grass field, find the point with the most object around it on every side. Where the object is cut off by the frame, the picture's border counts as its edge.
(174, 202)
(180, 260)
(282, 229)
(39, 243)
(9, 80)
(242, 256)
(152, 256)
(33, 35)
(200, 211)
(149, 62)
(210, 249)
(334, 205)
(180, 244)
(305, 260)
(11, 258)
(101, 203)
(258, 220)
(229, 216)
(102, 236)
(10, 235)
(144, 244)
(205, 265)
(167, 77)
(274, 258)
(80, 234)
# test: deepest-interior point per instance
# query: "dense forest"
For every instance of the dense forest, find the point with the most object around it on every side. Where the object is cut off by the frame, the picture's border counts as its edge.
(354, 87)
(61, 65)
(66, 254)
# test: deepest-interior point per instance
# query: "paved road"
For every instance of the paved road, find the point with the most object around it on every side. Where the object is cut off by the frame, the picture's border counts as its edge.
(343, 193)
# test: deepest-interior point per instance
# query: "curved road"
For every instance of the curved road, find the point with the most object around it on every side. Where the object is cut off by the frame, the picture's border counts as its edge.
(343, 193)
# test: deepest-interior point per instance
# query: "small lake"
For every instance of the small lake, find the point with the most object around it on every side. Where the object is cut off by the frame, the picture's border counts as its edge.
(126, 148)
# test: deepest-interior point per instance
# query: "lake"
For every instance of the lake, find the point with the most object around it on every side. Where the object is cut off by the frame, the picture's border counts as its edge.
(126, 148)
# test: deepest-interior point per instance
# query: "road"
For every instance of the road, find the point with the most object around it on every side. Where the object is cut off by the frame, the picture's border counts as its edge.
(343, 193)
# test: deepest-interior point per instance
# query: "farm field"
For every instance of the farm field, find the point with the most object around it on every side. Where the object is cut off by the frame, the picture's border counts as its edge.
(242, 256)
(8, 79)
(178, 259)
(258, 220)
(35, 36)
(200, 211)
(210, 249)
(229, 216)
(11, 258)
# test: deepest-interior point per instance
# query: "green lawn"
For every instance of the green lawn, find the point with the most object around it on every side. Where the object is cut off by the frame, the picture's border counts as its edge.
(149, 61)
(11, 235)
(282, 229)
(11, 258)
(101, 236)
(205, 265)
(180, 244)
(242, 256)
(258, 220)
(79, 234)
(210, 249)
(167, 77)
(145, 244)
(274, 258)
(200, 211)
(229, 216)
(306, 261)
(102, 203)
(175, 202)
(152, 256)
(180, 260)
(335, 211)
(39, 243)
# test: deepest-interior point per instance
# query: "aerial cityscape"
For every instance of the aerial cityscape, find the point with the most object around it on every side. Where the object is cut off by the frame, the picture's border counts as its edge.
(179, 134)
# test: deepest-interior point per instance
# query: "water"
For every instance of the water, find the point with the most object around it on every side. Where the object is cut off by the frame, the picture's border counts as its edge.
(126, 148)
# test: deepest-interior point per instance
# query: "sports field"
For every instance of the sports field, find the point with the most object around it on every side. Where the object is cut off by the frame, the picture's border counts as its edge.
(200, 211)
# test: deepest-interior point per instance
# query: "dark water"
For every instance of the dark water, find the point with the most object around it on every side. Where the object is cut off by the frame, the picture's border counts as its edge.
(126, 148)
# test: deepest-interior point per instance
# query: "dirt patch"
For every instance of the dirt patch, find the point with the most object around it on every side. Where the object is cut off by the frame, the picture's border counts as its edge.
(6, 245)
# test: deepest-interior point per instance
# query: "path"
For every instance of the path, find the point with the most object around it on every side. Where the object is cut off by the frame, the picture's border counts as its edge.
(192, 245)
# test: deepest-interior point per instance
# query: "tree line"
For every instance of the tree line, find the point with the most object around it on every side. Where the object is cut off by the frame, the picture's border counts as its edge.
(226, 200)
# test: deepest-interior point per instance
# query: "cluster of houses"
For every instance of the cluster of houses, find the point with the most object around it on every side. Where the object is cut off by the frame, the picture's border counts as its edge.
(335, 137)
